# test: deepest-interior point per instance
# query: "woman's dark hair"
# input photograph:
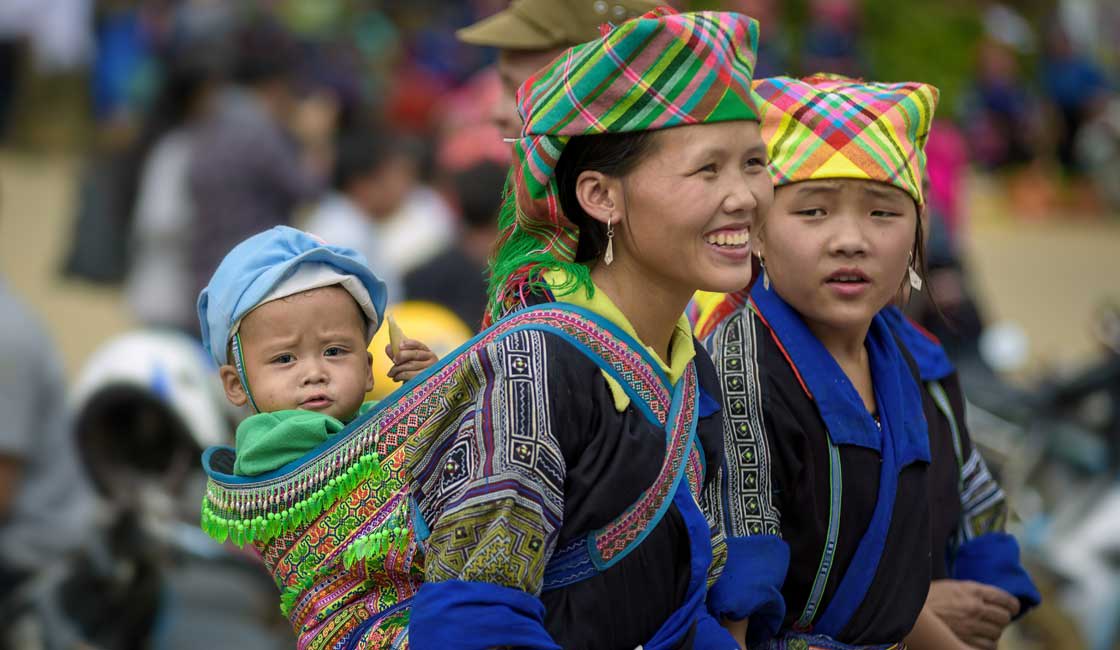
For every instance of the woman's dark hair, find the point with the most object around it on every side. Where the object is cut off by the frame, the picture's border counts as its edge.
(614, 154)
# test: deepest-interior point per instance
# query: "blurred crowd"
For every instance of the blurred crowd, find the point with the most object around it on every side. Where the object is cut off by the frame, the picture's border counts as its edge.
(368, 123)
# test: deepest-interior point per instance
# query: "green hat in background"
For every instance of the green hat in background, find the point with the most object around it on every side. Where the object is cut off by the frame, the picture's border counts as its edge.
(548, 24)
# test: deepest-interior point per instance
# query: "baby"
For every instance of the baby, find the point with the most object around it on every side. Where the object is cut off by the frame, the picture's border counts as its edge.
(288, 318)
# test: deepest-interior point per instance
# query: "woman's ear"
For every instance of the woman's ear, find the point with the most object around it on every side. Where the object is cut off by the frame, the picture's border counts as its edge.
(231, 382)
(369, 372)
(600, 196)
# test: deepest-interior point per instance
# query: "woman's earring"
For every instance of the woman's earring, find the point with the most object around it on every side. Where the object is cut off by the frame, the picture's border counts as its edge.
(765, 278)
(609, 256)
(915, 279)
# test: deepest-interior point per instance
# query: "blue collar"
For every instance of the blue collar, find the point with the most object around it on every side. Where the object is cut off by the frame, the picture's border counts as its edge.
(847, 420)
(933, 363)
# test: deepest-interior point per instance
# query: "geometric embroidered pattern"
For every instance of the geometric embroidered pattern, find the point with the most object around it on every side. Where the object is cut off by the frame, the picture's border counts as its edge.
(616, 537)
(336, 531)
(499, 479)
(983, 504)
(745, 502)
(798, 641)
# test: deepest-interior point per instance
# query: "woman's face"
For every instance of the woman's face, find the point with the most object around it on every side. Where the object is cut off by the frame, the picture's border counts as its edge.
(837, 250)
(690, 204)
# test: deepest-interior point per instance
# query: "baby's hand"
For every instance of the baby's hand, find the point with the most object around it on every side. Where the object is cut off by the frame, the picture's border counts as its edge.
(413, 358)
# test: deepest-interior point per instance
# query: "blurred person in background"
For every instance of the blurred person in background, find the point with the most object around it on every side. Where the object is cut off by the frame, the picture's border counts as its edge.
(45, 500)
(775, 54)
(998, 109)
(1073, 83)
(247, 172)
(456, 278)
(373, 173)
(127, 35)
(832, 39)
(159, 283)
(530, 33)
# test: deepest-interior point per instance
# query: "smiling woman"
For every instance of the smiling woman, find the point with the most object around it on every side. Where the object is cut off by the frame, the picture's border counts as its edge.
(563, 512)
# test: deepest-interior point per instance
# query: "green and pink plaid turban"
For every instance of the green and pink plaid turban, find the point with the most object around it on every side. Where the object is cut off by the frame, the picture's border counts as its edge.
(661, 70)
(830, 126)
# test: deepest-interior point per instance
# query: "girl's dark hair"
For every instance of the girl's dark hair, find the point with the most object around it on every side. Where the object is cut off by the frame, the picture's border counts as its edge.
(614, 154)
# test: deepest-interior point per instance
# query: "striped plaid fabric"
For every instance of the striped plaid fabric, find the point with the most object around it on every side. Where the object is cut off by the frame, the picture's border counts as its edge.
(829, 126)
(658, 71)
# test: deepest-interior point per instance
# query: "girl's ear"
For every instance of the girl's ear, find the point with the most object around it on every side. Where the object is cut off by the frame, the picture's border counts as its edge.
(369, 372)
(231, 383)
(600, 196)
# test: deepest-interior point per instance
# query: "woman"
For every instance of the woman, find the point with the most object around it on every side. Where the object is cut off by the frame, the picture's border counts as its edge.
(559, 516)
(825, 439)
(550, 468)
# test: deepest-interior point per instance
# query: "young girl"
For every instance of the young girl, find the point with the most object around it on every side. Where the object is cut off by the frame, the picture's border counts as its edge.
(825, 425)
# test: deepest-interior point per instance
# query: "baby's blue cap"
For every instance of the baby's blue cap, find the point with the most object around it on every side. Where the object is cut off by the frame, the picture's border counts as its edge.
(278, 263)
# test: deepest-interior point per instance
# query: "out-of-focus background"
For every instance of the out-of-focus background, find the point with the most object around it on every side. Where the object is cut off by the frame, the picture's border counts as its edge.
(367, 122)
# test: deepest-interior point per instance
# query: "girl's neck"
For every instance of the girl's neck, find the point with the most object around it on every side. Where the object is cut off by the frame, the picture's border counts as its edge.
(652, 309)
(848, 348)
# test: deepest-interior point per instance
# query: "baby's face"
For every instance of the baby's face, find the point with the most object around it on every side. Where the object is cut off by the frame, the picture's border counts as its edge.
(307, 351)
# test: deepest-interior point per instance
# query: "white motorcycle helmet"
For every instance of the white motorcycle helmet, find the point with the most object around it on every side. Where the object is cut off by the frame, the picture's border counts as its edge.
(145, 406)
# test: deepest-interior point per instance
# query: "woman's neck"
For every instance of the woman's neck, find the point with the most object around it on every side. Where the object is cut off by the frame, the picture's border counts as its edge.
(652, 309)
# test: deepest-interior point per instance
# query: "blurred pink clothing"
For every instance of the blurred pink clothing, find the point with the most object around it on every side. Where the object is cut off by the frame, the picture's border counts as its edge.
(946, 164)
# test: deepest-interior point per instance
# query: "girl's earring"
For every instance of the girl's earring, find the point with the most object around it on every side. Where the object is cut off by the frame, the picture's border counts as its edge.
(609, 256)
(915, 279)
(765, 278)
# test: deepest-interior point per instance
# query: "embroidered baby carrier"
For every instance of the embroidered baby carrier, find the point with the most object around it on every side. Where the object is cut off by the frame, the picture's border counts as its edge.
(337, 530)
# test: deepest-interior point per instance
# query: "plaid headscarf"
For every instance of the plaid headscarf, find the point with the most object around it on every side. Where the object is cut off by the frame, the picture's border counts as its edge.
(658, 71)
(830, 126)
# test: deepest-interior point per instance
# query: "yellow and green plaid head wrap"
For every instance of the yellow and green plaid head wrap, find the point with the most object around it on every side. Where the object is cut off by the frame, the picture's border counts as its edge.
(830, 126)
(658, 71)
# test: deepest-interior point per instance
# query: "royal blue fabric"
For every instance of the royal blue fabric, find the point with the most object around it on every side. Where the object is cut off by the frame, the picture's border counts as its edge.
(933, 362)
(901, 437)
(751, 585)
(993, 559)
(459, 615)
(846, 418)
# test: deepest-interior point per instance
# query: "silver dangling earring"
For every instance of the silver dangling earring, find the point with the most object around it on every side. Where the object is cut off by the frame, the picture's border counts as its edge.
(915, 279)
(609, 256)
(765, 278)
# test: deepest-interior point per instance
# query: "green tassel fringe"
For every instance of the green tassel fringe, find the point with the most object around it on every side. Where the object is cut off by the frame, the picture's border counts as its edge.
(264, 528)
(518, 264)
(374, 547)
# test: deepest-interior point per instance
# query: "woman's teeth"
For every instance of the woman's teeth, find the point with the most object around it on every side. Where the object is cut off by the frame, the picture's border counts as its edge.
(736, 238)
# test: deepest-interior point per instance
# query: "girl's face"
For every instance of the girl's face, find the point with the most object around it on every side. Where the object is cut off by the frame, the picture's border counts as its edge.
(689, 206)
(837, 250)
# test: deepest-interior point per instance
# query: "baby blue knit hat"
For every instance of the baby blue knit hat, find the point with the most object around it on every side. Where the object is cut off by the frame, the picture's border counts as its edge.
(276, 263)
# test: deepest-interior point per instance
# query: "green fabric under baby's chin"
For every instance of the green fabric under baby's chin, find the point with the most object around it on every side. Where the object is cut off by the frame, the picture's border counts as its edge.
(268, 441)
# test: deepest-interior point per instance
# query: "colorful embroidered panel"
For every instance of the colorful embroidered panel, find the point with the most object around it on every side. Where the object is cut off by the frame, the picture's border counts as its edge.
(336, 529)
(812, 642)
(748, 508)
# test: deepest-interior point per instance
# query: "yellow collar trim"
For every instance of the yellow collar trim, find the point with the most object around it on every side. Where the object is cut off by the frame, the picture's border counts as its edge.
(681, 348)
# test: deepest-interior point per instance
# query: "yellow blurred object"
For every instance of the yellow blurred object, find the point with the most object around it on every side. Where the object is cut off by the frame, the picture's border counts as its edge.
(431, 324)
